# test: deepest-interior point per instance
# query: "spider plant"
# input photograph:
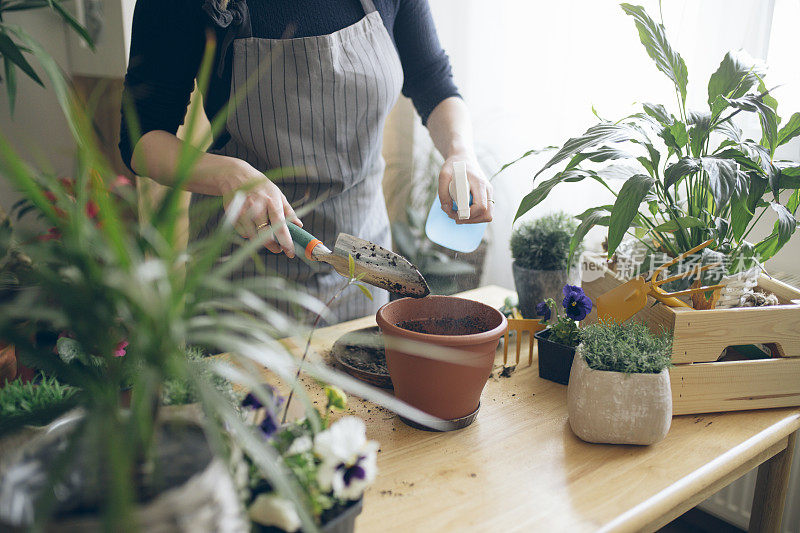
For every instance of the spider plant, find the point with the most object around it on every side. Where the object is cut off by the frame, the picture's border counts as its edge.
(106, 279)
(690, 175)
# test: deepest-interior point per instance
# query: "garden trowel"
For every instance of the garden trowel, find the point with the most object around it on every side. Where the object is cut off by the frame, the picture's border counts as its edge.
(380, 267)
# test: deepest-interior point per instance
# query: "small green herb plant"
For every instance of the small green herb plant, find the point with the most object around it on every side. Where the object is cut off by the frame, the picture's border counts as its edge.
(628, 348)
(543, 244)
(33, 403)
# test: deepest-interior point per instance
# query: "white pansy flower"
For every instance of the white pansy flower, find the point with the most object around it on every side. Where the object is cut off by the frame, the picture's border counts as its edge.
(272, 510)
(301, 444)
(348, 458)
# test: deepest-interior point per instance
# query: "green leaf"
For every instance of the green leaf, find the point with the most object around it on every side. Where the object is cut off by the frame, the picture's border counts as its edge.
(11, 84)
(72, 22)
(659, 112)
(529, 153)
(790, 130)
(680, 223)
(701, 127)
(736, 74)
(626, 207)
(654, 39)
(365, 290)
(675, 136)
(740, 217)
(351, 265)
(725, 179)
(11, 52)
(595, 216)
(739, 157)
(784, 227)
(789, 177)
(677, 171)
(754, 103)
(589, 212)
(595, 135)
(537, 195)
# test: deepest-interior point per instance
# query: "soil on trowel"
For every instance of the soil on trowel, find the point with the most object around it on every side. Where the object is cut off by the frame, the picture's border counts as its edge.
(467, 325)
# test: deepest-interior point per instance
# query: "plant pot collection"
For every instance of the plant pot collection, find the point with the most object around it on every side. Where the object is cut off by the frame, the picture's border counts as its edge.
(722, 384)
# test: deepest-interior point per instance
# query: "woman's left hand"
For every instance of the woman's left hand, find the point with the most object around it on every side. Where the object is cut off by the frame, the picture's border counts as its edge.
(482, 191)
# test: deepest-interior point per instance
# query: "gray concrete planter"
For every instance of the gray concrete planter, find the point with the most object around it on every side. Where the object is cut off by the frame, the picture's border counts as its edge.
(616, 408)
(533, 286)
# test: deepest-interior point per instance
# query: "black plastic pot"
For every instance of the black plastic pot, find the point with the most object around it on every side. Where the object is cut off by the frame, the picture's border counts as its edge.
(342, 520)
(555, 360)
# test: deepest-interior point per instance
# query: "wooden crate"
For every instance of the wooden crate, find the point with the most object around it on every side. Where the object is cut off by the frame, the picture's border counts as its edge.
(701, 383)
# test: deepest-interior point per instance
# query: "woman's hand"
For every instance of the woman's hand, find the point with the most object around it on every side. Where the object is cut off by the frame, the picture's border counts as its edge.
(158, 153)
(482, 203)
(265, 206)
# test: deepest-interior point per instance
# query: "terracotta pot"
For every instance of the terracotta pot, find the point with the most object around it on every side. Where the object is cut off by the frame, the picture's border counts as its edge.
(616, 408)
(446, 389)
(8, 363)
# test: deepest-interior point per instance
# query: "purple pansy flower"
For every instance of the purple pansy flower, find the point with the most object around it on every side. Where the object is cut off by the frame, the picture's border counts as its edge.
(269, 425)
(543, 310)
(352, 472)
(252, 401)
(576, 304)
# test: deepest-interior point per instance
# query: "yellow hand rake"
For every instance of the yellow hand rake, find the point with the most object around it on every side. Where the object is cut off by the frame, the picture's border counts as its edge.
(521, 325)
(621, 303)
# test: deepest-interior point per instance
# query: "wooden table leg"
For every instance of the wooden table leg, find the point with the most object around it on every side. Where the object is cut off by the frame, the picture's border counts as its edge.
(771, 487)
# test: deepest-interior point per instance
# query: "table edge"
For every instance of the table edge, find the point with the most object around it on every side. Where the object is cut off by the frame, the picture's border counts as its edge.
(650, 510)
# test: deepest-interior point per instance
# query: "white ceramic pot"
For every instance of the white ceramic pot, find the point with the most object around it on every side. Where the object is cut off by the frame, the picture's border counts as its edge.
(616, 408)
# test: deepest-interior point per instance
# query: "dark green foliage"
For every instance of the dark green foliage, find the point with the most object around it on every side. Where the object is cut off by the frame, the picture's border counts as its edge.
(565, 331)
(543, 244)
(628, 348)
(34, 403)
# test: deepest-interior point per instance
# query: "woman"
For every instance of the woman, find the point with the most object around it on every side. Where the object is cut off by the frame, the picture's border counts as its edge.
(310, 84)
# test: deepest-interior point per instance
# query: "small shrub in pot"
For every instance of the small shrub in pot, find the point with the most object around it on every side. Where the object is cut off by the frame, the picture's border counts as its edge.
(619, 390)
(542, 260)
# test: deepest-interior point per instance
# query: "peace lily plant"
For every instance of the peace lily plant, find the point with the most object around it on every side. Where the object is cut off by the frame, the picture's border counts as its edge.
(690, 175)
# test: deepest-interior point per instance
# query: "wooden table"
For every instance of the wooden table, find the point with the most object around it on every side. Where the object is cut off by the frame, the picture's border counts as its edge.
(520, 467)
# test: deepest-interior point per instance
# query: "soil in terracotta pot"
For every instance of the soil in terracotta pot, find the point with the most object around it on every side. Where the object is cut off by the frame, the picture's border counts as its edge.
(467, 325)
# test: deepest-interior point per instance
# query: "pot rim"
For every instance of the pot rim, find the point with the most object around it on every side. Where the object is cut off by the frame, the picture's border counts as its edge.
(391, 329)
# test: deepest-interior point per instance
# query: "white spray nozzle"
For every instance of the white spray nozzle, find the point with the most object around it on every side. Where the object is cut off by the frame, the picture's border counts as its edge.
(459, 189)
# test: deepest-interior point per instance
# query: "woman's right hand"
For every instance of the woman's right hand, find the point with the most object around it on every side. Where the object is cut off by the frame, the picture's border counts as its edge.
(264, 205)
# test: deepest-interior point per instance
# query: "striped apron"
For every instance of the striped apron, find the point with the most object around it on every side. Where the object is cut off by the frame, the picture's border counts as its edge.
(317, 103)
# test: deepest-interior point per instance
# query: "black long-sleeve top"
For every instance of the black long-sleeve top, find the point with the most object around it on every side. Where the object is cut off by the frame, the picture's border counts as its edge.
(169, 38)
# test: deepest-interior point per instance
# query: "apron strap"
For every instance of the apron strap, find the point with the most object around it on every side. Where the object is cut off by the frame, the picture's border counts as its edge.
(368, 6)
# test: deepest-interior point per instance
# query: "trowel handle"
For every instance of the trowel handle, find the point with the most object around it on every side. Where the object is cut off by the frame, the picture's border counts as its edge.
(304, 242)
